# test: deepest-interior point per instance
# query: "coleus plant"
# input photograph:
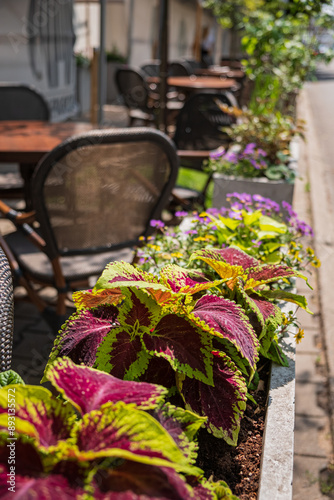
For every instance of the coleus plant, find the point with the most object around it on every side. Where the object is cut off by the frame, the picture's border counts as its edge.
(182, 330)
(249, 282)
(101, 438)
(139, 326)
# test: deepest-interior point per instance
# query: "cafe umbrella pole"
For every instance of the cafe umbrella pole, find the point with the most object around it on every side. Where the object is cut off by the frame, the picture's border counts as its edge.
(163, 53)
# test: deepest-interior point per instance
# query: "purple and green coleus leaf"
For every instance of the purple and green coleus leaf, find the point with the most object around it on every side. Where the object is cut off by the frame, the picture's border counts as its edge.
(268, 314)
(226, 321)
(38, 415)
(182, 425)
(133, 481)
(223, 404)
(232, 263)
(52, 487)
(82, 333)
(88, 389)
(186, 346)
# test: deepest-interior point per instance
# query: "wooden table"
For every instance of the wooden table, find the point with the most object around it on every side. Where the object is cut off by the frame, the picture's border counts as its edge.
(191, 83)
(26, 142)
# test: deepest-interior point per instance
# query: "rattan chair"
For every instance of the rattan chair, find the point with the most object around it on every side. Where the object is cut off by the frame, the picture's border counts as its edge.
(6, 313)
(199, 130)
(94, 196)
(20, 102)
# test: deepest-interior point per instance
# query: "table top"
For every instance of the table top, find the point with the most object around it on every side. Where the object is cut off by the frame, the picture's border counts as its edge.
(221, 71)
(197, 82)
(28, 141)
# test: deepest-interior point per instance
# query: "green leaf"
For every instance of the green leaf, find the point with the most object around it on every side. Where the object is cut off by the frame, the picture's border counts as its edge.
(10, 377)
(268, 224)
(300, 300)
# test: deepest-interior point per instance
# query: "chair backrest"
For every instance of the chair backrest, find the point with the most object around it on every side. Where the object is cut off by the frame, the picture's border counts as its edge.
(99, 191)
(132, 87)
(151, 68)
(22, 102)
(179, 68)
(6, 313)
(200, 121)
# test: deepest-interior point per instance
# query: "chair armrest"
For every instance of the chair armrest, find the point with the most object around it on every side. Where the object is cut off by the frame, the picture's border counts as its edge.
(22, 221)
(16, 217)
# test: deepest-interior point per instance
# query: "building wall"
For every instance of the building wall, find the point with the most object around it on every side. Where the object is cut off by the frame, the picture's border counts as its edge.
(141, 42)
(36, 48)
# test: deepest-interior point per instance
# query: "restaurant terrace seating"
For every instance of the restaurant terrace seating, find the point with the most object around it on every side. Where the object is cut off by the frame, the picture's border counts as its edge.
(94, 196)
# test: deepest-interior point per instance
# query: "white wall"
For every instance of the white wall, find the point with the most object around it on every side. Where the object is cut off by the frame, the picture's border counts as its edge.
(144, 37)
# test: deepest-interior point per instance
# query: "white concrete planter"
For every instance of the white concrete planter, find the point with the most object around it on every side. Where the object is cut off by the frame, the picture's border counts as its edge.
(276, 190)
(278, 440)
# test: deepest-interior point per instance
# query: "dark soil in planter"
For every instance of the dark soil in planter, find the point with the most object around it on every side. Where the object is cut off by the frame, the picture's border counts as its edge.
(239, 466)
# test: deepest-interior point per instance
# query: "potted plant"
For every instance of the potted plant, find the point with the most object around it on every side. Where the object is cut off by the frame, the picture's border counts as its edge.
(260, 160)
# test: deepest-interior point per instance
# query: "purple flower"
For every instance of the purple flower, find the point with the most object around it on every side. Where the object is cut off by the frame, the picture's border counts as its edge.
(181, 214)
(260, 152)
(249, 149)
(190, 231)
(217, 153)
(232, 157)
(157, 223)
(254, 163)
(258, 197)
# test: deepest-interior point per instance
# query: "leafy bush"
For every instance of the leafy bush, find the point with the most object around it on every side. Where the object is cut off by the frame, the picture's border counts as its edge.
(270, 132)
(198, 333)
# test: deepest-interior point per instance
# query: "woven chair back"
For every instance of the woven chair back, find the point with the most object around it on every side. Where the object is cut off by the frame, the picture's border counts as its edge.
(99, 191)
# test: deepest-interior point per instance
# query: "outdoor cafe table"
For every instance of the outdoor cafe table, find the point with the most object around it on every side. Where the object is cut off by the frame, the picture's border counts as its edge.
(193, 83)
(26, 142)
(222, 72)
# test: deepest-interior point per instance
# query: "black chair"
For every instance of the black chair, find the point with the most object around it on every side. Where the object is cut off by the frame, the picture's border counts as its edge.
(6, 313)
(20, 102)
(142, 104)
(179, 68)
(94, 197)
(199, 130)
(151, 68)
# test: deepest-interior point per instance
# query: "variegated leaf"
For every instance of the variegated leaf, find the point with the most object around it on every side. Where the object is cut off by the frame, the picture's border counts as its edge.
(223, 404)
(82, 334)
(88, 389)
(183, 344)
(227, 320)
